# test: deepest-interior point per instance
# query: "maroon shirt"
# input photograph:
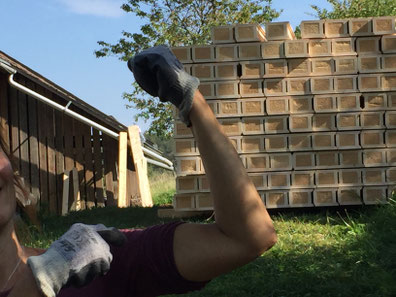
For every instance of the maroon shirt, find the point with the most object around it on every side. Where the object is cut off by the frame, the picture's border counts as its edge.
(144, 266)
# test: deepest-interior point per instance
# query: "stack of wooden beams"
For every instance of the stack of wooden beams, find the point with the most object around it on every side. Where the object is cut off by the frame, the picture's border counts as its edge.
(313, 119)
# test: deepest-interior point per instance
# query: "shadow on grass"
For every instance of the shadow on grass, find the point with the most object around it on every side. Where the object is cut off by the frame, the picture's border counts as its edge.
(355, 256)
(123, 218)
(319, 253)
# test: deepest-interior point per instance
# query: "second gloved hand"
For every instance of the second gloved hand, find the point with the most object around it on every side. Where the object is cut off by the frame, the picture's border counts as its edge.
(160, 74)
(76, 258)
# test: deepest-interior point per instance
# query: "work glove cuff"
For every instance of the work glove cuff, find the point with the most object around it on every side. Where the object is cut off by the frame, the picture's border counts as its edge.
(54, 277)
(187, 86)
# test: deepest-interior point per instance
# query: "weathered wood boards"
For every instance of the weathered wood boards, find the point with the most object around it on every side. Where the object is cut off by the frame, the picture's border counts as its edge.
(134, 188)
(122, 178)
(65, 164)
(140, 165)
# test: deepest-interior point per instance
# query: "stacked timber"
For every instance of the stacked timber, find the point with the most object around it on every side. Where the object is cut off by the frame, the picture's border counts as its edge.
(313, 119)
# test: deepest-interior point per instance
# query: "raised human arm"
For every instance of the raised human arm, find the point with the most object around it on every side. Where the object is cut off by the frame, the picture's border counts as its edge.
(243, 229)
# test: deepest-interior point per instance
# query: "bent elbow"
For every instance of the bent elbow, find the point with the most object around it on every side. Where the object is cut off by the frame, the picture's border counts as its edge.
(266, 241)
(270, 240)
(273, 239)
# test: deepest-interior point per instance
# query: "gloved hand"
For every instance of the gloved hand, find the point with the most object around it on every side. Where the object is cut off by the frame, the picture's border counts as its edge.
(76, 258)
(160, 74)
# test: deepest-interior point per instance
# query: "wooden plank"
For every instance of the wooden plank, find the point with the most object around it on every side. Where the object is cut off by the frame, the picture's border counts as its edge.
(24, 136)
(75, 199)
(110, 147)
(52, 192)
(33, 144)
(59, 156)
(122, 170)
(79, 153)
(69, 152)
(140, 165)
(69, 147)
(98, 168)
(132, 187)
(14, 123)
(89, 171)
(65, 193)
(43, 154)
(4, 133)
(133, 193)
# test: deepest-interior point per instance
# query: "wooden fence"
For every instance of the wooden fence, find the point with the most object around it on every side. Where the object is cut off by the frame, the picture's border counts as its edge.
(47, 143)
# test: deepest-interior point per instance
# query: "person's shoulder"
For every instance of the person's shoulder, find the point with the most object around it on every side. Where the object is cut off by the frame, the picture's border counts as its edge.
(30, 251)
(162, 227)
(141, 237)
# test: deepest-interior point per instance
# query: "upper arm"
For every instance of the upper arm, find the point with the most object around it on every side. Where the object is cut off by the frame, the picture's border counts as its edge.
(155, 272)
(203, 252)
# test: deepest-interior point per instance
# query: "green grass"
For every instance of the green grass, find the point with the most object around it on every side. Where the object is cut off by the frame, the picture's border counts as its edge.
(163, 186)
(323, 254)
(319, 253)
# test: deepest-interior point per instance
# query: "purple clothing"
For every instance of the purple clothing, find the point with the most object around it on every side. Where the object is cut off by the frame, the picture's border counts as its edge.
(5, 293)
(143, 267)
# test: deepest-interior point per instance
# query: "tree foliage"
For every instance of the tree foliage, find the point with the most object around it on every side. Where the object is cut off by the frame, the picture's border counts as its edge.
(177, 23)
(164, 145)
(343, 9)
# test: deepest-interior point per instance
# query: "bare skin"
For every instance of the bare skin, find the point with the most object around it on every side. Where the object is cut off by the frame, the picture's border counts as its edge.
(243, 229)
(24, 283)
(11, 251)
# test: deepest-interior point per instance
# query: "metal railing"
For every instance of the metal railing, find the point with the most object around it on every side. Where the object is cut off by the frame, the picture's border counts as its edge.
(155, 159)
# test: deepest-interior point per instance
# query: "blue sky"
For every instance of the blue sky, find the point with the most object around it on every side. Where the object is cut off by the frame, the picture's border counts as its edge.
(57, 38)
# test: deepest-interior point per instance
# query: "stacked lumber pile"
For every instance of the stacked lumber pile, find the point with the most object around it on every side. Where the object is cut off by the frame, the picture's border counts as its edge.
(313, 119)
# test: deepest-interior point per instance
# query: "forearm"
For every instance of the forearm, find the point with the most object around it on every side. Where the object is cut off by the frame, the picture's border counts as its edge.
(240, 212)
(243, 228)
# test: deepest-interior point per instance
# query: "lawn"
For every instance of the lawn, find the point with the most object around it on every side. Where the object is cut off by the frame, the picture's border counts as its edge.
(321, 252)
(162, 185)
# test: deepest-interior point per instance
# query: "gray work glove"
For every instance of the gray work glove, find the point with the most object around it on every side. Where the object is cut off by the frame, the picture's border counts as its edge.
(160, 74)
(76, 258)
